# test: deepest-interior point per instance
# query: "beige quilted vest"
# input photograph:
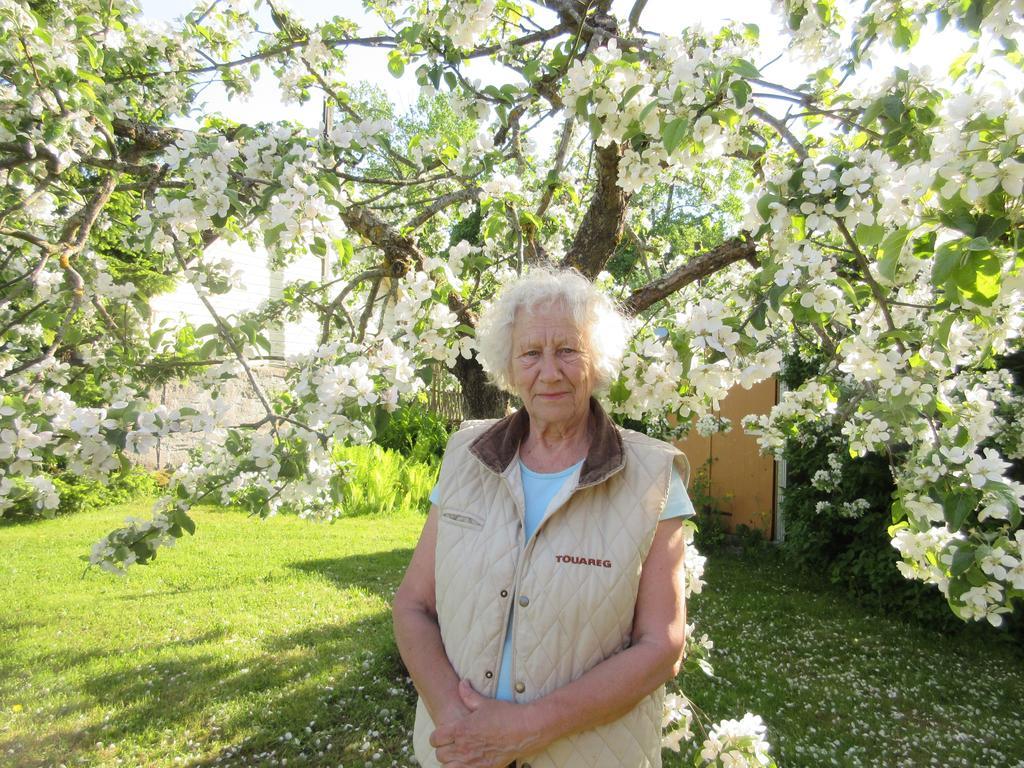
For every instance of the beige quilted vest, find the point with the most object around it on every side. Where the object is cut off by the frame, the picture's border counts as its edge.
(574, 585)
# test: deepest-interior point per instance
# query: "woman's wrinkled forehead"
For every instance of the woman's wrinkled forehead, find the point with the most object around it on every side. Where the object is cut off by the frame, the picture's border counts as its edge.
(546, 320)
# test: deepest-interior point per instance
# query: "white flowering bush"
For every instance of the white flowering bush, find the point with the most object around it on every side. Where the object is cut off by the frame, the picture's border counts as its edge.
(883, 230)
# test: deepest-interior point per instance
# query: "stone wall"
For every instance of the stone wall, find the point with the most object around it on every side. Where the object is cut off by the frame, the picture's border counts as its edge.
(171, 451)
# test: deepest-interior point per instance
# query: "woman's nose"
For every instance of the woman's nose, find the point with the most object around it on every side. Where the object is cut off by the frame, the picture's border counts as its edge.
(549, 370)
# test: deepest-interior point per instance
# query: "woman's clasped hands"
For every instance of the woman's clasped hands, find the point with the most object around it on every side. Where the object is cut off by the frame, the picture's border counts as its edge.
(491, 733)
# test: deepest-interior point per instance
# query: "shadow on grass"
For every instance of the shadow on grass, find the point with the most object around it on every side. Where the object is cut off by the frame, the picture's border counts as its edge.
(69, 660)
(378, 573)
(18, 521)
(335, 674)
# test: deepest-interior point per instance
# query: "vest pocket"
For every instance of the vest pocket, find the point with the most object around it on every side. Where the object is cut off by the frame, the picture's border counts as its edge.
(462, 519)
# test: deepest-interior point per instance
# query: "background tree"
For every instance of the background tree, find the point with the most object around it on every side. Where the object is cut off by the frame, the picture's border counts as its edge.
(883, 232)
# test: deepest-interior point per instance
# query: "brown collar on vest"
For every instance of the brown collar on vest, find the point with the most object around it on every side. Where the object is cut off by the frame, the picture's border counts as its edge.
(496, 447)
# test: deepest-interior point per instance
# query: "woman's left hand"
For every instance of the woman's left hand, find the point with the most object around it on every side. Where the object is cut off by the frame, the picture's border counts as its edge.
(492, 735)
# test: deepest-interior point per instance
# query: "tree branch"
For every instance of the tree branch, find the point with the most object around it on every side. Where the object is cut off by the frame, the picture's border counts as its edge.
(239, 353)
(564, 142)
(737, 249)
(534, 37)
(876, 289)
(782, 130)
(459, 196)
(601, 228)
(379, 41)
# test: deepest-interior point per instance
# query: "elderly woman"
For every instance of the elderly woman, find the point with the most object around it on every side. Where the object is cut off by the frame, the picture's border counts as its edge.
(543, 607)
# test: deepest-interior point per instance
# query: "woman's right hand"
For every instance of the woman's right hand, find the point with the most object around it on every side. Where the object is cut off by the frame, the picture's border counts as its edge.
(491, 735)
(451, 713)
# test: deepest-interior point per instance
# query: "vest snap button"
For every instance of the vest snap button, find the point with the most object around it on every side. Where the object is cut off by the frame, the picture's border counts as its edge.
(520, 687)
(524, 601)
(488, 674)
(504, 593)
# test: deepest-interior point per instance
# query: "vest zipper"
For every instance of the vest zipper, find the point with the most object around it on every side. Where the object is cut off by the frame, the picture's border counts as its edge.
(526, 550)
(507, 625)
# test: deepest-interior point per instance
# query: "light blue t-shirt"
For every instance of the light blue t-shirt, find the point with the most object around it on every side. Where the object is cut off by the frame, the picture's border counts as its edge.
(539, 488)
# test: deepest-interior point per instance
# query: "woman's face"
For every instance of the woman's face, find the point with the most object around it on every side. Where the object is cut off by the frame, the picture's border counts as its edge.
(551, 368)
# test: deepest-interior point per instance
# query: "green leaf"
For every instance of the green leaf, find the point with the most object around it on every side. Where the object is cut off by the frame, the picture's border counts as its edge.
(893, 107)
(396, 64)
(741, 92)
(645, 112)
(869, 234)
(633, 91)
(619, 392)
(765, 203)
(181, 518)
(946, 258)
(530, 217)
(978, 275)
(957, 506)
(208, 349)
(345, 250)
(848, 291)
(673, 133)
(681, 344)
(962, 560)
(744, 68)
(891, 247)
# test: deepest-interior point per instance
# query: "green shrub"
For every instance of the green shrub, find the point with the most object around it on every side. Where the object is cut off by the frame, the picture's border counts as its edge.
(384, 482)
(710, 517)
(79, 493)
(837, 510)
(414, 431)
(749, 539)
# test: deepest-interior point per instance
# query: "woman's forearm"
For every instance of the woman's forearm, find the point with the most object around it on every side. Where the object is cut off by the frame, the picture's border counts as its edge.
(602, 695)
(419, 642)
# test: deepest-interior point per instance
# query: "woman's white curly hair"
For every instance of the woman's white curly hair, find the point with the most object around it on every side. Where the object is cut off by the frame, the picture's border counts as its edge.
(605, 330)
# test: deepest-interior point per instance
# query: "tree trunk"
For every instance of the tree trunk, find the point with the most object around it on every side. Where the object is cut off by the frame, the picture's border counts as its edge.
(482, 399)
(602, 225)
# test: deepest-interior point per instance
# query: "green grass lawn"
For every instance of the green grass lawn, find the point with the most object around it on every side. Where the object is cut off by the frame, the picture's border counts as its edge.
(839, 685)
(269, 643)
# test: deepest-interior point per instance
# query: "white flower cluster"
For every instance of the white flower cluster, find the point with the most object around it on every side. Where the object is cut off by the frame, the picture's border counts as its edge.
(705, 320)
(737, 744)
(828, 479)
(350, 134)
(334, 377)
(710, 424)
(694, 563)
(669, 88)
(813, 39)
(113, 554)
(19, 443)
(218, 170)
(677, 710)
(811, 402)
(423, 324)
(465, 21)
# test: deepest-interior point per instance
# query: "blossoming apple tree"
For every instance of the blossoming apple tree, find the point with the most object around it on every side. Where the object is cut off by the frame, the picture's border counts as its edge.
(883, 232)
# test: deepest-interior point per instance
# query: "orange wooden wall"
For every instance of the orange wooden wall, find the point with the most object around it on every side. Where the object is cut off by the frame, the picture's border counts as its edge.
(742, 480)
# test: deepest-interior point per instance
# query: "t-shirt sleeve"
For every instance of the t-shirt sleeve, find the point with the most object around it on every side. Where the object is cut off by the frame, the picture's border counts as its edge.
(433, 494)
(678, 503)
